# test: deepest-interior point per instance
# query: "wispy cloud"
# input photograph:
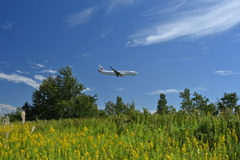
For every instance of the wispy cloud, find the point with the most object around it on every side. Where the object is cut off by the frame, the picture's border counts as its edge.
(19, 71)
(40, 65)
(7, 107)
(22, 72)
(83, 55)
(80, 17)
(210, 17)
(36, 64)
(187, 58)
(5, 63)
(19, 79)
(113, 4)
(120, 89)
(159, 9)
(168, 91)
(88, 89)
(49, 71)
(106, 32)
(39, 77)
(6, 25)
(237, 38)
(226, 72)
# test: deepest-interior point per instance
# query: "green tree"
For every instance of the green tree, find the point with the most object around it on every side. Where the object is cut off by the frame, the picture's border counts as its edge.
(131, 108)
(199, 102)
(110, 108)
(237, 109)
(186, 104)
(162, 105)
(120, 108)
(85, 106)
(146, 112)
(171, 109)
(29, 110)
(14, 115)
(61, 97)
(228, 102)
(211, 108)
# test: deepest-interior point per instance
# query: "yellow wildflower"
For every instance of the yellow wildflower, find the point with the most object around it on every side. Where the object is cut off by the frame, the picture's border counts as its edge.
(85, 128)
(51, 130)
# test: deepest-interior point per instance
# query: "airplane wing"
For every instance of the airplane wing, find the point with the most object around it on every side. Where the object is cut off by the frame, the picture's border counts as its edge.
(116, 72)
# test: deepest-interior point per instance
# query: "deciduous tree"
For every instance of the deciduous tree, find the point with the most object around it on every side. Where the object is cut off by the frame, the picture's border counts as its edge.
(60, 97)
(228, 102)
(120, 108)
(186, 104)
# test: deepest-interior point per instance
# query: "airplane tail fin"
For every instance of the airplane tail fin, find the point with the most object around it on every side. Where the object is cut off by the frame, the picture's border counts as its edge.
(101, 68)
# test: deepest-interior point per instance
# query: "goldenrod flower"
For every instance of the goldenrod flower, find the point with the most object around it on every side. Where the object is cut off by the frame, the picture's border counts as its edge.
(51, 130)
(85, 128)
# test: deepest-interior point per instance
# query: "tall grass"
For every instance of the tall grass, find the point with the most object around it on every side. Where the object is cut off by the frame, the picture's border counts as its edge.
(172, 136)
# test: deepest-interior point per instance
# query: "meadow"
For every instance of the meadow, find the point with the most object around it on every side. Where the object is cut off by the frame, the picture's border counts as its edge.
(144, 137)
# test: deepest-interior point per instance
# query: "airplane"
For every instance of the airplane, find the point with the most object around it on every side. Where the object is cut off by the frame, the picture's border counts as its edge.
(115, 72)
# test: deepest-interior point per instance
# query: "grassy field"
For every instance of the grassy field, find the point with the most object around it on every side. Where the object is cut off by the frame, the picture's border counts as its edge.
(149, 137)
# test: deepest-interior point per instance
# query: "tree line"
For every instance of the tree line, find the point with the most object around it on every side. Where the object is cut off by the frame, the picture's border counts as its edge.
(62, 96)
(200, 104)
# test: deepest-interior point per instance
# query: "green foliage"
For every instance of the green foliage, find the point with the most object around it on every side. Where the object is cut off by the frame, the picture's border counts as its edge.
(61, 97)
(199, 102)
(162, 107)
(120, 108)
(186, 104)
(29, 110)
(146, 112)
(179, 135)
(14, 115)
(228, 102)
(85, 106)
(162, 104)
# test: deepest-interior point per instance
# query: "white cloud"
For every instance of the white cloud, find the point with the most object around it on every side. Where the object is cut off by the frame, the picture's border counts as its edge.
(88, 89)
(5, 63)
(225, 72)
(80, 17)
(22, 72)
(49, 71)
(8, 107)
(39, 77)
(164, 91)
(120, 89)
(5, 109)
(187, 58)
(162, 8)
(19, 79)
(210, 17)
(40, 65)
(37, 64)
(19, 71)
(6, 25)
(83, 55)
(115, 3)
(106, 32)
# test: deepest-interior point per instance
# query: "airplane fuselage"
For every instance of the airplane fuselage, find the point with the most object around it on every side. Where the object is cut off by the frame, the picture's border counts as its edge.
(122, 73)
(115, 72)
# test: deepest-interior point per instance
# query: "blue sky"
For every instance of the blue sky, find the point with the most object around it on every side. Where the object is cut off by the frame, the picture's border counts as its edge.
(173, 45)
